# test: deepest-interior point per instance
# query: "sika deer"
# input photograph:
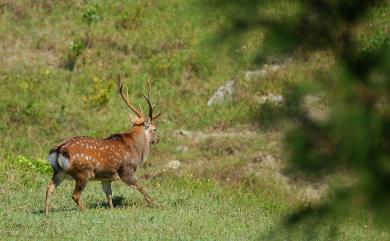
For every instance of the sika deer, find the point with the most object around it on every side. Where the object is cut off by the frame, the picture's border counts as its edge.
(116, 157)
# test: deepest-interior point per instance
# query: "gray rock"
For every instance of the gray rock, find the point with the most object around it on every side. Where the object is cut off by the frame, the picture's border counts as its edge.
(174, 164)
(182, 149)
(255, 73)
(183, 133)
(266, 69)
(316, 106)
(222, 94)
(312, 99)
(271, 98)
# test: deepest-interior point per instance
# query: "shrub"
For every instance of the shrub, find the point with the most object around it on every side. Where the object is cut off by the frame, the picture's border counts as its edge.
(37, 165)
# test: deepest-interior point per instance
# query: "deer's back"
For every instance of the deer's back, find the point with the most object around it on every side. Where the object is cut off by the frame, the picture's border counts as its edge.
(96, 158)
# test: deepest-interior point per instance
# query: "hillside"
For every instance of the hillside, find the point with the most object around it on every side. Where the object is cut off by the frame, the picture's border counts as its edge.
(59, 66)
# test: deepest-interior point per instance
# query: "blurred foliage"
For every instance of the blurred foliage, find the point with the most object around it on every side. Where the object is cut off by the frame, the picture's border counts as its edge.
(355, 136)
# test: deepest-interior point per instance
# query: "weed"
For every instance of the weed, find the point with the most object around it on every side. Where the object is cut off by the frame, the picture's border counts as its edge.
(75, 48)
(91, 15)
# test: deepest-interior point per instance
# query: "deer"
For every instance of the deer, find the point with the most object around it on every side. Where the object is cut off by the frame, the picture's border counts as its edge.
(116, 157)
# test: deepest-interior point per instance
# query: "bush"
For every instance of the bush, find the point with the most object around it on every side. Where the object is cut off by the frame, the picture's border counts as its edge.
(37, 165)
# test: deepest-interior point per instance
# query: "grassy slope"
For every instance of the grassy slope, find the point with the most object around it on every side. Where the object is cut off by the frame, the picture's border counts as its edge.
(42, 103)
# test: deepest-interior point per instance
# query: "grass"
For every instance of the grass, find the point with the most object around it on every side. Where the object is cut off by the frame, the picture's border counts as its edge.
(179, 219)
(190, 209)
(222, 200)
(59, 67)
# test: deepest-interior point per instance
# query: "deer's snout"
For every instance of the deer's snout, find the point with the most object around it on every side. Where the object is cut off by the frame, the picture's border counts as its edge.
(155, 139)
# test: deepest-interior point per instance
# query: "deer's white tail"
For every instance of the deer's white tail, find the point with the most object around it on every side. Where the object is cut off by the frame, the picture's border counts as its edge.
(58, 161)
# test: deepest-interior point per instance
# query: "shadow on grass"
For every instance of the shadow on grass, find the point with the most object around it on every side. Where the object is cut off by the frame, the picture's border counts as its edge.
(269, 116)
(118, 202)
(299, 225)
(54, 210)
(273, 114)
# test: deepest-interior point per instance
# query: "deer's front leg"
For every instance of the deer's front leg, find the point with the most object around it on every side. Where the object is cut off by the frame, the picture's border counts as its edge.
(148, 199)
(107, 190)
(130, 180)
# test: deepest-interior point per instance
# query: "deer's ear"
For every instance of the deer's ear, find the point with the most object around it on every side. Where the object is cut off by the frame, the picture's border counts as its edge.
(135, 119)
(132, 118)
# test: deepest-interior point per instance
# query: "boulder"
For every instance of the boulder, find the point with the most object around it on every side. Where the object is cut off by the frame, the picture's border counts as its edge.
(223, 93)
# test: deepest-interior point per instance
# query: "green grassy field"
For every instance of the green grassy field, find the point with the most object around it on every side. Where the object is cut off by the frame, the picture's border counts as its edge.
(59, 62)
(190, 209)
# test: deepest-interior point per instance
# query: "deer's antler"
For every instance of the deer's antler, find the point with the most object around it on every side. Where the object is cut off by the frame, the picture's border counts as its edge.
(148, 99)
(126, 98)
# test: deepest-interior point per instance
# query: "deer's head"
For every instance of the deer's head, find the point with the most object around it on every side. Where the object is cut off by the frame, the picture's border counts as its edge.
(148, 123)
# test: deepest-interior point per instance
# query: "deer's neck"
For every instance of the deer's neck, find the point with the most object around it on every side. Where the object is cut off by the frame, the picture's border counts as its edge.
(138, 143)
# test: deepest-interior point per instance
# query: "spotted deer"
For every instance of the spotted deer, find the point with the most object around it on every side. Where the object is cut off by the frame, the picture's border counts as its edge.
(85, 158)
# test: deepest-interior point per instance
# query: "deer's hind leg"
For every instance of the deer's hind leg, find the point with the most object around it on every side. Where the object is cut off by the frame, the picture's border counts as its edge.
(81, 182)
(55, 182)
(108, 191)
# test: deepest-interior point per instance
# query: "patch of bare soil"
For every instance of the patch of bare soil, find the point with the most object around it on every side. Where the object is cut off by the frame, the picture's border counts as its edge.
(19, 54)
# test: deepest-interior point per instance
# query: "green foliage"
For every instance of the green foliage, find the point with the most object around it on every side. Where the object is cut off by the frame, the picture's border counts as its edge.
(75, 48)
(100, 91)
(36, 165)
(91, 15)
(372, 44)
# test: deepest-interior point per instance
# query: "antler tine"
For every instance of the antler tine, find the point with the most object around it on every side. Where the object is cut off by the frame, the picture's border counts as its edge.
(158, 99)
(140, 107)
(126, 98)
(149, 89)
(150, 106)
(148, 99)
(157, 116)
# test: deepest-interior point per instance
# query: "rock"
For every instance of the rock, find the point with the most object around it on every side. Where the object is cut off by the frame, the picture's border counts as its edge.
(267, 68)
(263, 157)
(316, 106)
(310, 100)
(182, 149)
(275, 99)
(174, 164)
(222, 94)
(183, 133)
(255, 73)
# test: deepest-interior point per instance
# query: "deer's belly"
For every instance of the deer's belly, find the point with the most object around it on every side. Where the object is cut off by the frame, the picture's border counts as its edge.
(105, 176)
